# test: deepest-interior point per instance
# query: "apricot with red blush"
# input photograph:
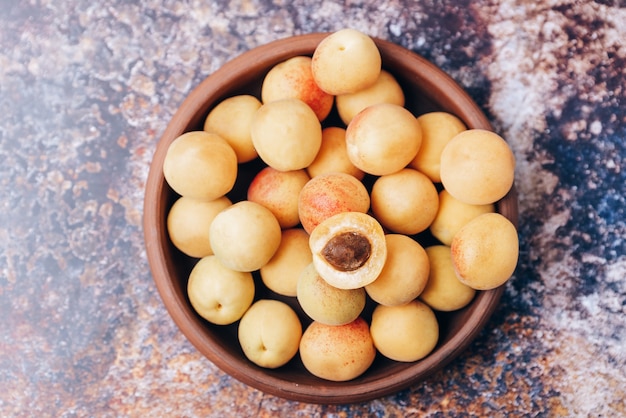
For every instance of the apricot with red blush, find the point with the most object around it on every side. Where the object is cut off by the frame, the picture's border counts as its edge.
(329, 194)
(293, 79)
(279, 191)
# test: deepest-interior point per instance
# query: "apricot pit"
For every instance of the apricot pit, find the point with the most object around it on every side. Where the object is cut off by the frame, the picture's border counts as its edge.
(349, 249)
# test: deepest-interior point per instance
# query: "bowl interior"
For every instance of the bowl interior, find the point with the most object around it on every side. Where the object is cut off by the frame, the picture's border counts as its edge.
(426, 89)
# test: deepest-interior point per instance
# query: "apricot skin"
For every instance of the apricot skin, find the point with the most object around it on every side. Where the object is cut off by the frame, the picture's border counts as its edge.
(293, 78)
(477, 167)
(286, 134)
(383, 138)
(333, 155)
(200, 165)
(337, 352)
(325, 303)
(245, 236)
(485, 251)
(278, 191)
(329, 194)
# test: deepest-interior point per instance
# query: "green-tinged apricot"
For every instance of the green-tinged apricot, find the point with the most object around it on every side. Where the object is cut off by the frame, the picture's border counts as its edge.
(325, 303)
(219, 294)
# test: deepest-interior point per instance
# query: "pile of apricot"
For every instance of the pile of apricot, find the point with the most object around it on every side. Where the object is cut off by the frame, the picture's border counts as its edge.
(333, 217)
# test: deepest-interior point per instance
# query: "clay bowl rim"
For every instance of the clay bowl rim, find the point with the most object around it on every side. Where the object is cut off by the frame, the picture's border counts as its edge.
(192, 111)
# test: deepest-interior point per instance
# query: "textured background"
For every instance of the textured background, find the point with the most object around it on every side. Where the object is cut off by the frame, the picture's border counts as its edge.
(86, 89)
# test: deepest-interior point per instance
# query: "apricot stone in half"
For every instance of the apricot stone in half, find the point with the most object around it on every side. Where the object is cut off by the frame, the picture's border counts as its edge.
(349, 249)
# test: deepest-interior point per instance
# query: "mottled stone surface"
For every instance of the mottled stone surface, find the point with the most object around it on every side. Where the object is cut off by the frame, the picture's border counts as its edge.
(86, 88)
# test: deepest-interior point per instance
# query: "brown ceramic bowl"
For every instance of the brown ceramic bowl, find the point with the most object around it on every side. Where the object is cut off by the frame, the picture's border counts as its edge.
(427, 89)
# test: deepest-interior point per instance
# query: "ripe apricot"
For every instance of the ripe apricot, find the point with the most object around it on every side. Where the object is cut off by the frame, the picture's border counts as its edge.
(453, 214)
(386, 89)
(337, 352)
(245, 236)
(383, 138)
(325, 303)
(281, 273)
(189, 221)
(405, 202)
(346, 61)
(231, 119)
(200, 165)
(477, 167)
(328, 194)
(438, 128)
(293, 79)
(219, 294)
(333, 155)
(279, 191)
(404, 275)
(406, 332)
(485, 251)
(287, 134)
(444, 291)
